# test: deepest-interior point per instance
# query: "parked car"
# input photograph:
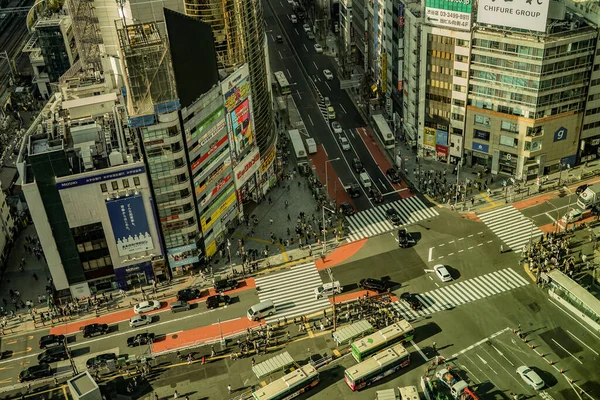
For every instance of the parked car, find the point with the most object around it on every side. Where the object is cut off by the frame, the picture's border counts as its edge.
(326, 101)
(572, 216)
(531, 378)
(279, 39)
(52, 355)
(94, 330)
(100, 359)
(140, 339)
(393, 217)
(217, 301)
(139, 320)
(337, 128)
(347, 209)
(225, 285)
(405, 239)
(595, 211)
(357, 165)
(306, 28)
(49, 341)
(353, 190)
(328, 74)
(293, 18)
(411, 300)
(318, 48)
(344, 143)
(330, 112)
(35, 372)
(373, 284)
(442, 272)
(392, 175)
(311, 35)
(146, 306)
(581, 188)
(179, 305)
(188, 294)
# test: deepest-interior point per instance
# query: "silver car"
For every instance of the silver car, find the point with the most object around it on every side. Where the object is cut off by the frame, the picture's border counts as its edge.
(179, 305)
(139, 320)
(531, 377)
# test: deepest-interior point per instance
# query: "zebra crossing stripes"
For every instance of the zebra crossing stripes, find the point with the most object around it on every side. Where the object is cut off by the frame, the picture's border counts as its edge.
(511, 226)
(292, 291)
(464, 292)
(374, 221)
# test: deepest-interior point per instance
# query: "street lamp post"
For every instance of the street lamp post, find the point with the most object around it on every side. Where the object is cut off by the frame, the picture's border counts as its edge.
(333, 297)
(326, 172)
(568, 207)
(325, 229)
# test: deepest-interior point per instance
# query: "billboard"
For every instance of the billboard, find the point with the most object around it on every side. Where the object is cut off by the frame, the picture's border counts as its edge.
(247, 167)
(530, 15)
(429, 138)
(107, 176)
(183, 255)
(129, 224)
(236, 89)
(449, 13)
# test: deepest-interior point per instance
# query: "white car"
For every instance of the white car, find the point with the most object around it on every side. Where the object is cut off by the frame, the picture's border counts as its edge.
(146, 306)
(293, 18)
(306, 28)
(139, 320)
(345, 143)
(337, 128)
(530, 377)
(318, 48)
(328, 74)
(442, 272)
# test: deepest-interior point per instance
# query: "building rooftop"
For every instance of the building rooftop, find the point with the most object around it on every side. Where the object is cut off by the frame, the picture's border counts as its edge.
(44, 145)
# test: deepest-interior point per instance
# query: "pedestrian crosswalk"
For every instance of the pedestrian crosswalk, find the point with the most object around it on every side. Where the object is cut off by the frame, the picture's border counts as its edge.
(460, 293)
(512, 227)
(293, 291)
(374, 221)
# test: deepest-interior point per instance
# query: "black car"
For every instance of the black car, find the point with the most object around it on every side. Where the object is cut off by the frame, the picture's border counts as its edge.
(580, 189)
(392, 175)
(595, 211)
(94, 330)
(404, 238)
(188, 294)
(49, 341)
(279, 39)
(373, 284)
(225, 284)
(353, 190)
(393, 217)
(357, 165)
(140, 339)
(100, 359)
(412, 301)
(52, 355)
(35, 372)
(217, 301)
(347, 209)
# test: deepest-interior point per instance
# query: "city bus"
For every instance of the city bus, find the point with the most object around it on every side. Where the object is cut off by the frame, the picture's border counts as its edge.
(377, 367)
(282, 83)
(290, 386)
(384, 132)
(400, 332)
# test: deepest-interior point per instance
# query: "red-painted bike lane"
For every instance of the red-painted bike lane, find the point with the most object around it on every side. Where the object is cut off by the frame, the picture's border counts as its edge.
(121, 316)
(335, 188)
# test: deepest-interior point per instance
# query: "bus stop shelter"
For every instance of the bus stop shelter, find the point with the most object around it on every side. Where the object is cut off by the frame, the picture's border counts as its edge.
(357, 329)
(273, 364)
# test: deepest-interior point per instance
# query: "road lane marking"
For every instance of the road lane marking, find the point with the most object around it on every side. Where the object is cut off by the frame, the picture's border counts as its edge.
(419, 351)
(280, 55)
(443, 244)
(582, 342)
(311, 121)
(430, 254)
(460, 251)
(480, 233)
(470, 235)
(343, 109)
(470, 248)
(461, 239)
(289, 74)
(328, 86)
(480, 244)
(315, 64)
(573, 318)
(489, 241)
(305, 48)
(451, 254)
(493, 335)
(567, 351)
(448, 242)
(298, 93)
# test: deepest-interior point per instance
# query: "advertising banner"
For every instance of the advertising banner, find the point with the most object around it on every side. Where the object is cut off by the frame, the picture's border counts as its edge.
(429, 138)
(209, 218)
(449, 13)
(268, 160)
(247, 167)
(182, 255)
(215, 146)
(483, 148)
(383, 72)
(129, 224)
(441, 138)
(456, 148)
(529, 15)
(442, 151)
(108, 176)
(560, 134)
(236, 89)
(216, 189)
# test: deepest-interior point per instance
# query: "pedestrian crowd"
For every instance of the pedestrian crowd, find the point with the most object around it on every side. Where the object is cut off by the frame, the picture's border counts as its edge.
(552, 251)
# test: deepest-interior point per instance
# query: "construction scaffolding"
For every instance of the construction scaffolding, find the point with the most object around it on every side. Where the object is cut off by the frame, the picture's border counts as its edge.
(146, 60)
(87, 37)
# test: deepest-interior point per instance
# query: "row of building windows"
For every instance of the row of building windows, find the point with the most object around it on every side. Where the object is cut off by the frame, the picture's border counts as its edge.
(149, 135)
(124, 182)
(532, 52)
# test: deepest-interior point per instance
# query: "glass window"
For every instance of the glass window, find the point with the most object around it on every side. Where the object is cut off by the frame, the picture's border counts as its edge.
(136, 180)
(103, 187)
(125, 183)
(482, 120)
(115, 185)
(509, 126)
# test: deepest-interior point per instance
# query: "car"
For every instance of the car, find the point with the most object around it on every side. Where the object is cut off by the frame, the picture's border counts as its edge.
(375, 195)
(393, 217)
(100, 359)
(49, 341)
(337, 128)
(353, 190)
(146, 306)
(581, 188)
(572, 216)
(595, 211)
(179, 305)
(347, 209)
(225, 285)
(411, 300)
(328, 74)
(140, 339)
(318, 48)
(188, 294)
(531, 377)
(357, 165)
(94, 330)
(442, 272)
(344, 142)
(392, 175)
(310, 35)
(293, 18)
(306, 28)
(404, 238)
(373, 284)
(330, 112)
(326, 101)
(52, 355)
(35, 372)
(139, 320)
(217, 301)
(279, 39)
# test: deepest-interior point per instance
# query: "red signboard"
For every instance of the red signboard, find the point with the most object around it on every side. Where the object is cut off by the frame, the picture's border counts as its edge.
(442, 151)
(239, 173)
(210, 151)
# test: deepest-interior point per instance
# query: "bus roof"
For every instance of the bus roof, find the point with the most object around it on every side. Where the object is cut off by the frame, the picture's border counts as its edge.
(383, 335)
(290, 380)
(379, 360)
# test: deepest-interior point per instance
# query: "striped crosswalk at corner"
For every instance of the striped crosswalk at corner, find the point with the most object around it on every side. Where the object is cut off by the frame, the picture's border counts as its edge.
(374, 221)
(460, 293)
(292, 291)
(511, 226)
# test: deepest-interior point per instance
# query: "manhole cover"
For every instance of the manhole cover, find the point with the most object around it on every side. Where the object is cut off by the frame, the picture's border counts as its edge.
(174, 336)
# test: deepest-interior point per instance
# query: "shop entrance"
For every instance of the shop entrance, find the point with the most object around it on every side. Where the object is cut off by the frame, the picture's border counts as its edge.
(136, 280)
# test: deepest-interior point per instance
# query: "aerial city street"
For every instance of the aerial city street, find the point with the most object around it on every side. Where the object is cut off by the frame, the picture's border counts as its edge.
(285, 199)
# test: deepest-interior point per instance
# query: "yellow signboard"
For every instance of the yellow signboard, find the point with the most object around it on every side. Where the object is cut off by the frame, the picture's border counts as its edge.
(211, 249)
(268, 160)
(383, 72)
(429, 138)
(207, 222)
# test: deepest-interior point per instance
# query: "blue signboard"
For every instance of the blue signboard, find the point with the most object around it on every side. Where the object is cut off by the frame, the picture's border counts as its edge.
(560, 134)
(130, 224)
(484, 148)
(483, 135)
(441, 138)
(108, 176)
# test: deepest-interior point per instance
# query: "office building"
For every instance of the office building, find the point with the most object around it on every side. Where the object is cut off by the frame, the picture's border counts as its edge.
(7, 229)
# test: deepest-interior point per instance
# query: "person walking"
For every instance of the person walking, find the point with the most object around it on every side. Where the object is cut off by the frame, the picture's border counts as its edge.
(229, 388)
(175, 395)
(35, 276)
(501, 249)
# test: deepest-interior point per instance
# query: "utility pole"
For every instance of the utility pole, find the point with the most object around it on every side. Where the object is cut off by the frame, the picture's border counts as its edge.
(71, 361)
(333, 298)
(325, 229)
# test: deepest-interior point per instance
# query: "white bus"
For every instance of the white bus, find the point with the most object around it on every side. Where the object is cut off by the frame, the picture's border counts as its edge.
(384, 132)
(290, 386)
(299, 149)
(282, 83)
(400, 332)
(377, 367)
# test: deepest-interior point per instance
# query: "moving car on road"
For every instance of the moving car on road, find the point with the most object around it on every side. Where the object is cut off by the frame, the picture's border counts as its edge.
(279, 39)
(357, 165)
(344, 143)
(353, 190)
(328, 74)
(411, 300)
(100, 359)
(52, 355)
(139, 320)
(293, 18)
(94, 330)
(392, 175)
(581, 188)
(375, 195)
(310, 35)
(306, 28)
(225, 285)
(337, 128)
(35, 372)
(49, 341)
(318, 48)
(179, 305)
(347, 209)
(393, 217)
(188, 294)
(373, 284)
(404, 238)
(442, 272)
(531, 377)
(146, 306)
(217, 301)
(330, 112)
(140, 339)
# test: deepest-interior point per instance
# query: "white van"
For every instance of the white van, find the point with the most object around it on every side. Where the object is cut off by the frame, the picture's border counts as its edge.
(260, 310)
(327, 289)
(365, 180)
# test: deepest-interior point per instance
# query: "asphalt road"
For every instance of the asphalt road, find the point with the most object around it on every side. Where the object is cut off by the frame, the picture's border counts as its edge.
(552, 210)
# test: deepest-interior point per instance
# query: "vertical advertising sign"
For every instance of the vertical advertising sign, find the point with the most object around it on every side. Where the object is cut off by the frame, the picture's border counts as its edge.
(129, 224)
(383, 72)
(450, 13)
(429, 138)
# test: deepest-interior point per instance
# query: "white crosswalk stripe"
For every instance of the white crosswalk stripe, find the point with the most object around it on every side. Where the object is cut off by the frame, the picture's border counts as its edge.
(292, 291)
(512, 227)
(374, 221)
(463, 292)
